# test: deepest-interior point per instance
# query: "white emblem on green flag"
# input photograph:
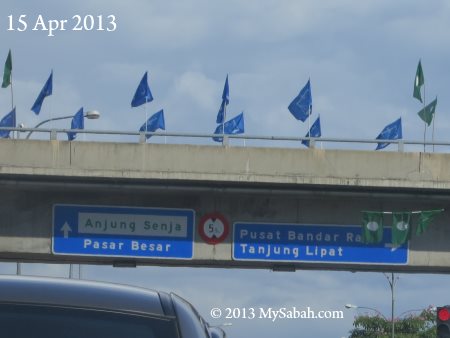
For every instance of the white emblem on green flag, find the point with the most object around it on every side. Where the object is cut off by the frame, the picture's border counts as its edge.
(418, 82)
(372, 227)
(401, 227)
(427, 113)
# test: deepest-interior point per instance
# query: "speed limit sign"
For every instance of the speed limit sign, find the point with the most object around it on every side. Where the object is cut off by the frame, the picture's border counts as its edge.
(213, 228)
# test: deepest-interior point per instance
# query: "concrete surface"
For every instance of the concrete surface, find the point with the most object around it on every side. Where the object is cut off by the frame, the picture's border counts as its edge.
(300, 186)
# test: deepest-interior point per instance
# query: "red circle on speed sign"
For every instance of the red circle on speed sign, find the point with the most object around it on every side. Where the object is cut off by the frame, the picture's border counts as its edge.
(213, 228)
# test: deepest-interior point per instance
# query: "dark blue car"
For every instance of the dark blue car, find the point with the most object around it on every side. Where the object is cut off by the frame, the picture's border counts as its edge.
(35, 307)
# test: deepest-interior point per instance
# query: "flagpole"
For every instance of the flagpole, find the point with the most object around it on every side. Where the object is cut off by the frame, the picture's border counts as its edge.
(12, 98)
(51, 104)
(309, 121)
(146, 118)
(223, 121)
(424, 105)
(432, 133)
(243, 138)
(424, 136)
(310, 111)
(50, 112)
(12, 94)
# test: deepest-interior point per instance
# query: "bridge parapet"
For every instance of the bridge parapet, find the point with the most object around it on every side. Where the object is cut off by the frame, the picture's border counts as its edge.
(233, 165)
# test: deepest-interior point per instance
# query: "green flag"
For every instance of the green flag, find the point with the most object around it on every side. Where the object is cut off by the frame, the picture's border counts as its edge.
(425, 218)
(372, 227)
(427, 113)
(401, 227)
(418, 82)
(7, 71)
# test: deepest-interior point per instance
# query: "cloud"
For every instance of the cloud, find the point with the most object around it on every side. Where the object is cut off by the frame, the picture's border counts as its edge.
(198, 89)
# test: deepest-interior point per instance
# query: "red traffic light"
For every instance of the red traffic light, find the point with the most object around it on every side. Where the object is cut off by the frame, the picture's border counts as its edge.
(443, 314)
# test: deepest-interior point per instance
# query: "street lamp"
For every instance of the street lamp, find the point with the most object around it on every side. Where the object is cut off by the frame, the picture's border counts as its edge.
(91, 114)
(351, 306)
(392, 281)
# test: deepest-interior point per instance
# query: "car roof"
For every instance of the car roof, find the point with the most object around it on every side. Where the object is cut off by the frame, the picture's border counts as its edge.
(80, 294)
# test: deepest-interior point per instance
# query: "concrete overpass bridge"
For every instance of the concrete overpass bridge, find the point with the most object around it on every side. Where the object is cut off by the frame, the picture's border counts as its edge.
(160, 204)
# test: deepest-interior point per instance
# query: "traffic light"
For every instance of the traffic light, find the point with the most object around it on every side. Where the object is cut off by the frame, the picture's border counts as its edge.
(443, 322)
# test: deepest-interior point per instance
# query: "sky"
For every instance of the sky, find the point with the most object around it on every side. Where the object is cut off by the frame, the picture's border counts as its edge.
(361, 58)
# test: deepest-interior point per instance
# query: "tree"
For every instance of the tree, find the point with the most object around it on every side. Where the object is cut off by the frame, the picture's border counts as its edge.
(411, 326)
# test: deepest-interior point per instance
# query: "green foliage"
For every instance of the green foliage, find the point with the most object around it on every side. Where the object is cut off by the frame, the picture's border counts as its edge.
(412, 326)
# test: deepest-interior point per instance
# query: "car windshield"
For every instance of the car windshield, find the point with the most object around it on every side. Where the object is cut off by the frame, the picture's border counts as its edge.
(192, 325)
(26, 321)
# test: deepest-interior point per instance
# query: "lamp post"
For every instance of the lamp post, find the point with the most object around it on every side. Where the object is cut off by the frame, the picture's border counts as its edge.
(92, 115)
(392, 281)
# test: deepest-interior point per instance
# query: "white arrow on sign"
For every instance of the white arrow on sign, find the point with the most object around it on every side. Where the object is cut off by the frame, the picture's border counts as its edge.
(66, 229)
(389, 245)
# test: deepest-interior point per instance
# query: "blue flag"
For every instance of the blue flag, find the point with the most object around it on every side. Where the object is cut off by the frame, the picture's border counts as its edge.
(143, 93)
(154, 122)
(221, 113)
(226, 92)
(225, 101)
(233, 126)
(392, 131)
(314, 131)
(8, 121)
(46, 91)
(301, 106)
(77, 123)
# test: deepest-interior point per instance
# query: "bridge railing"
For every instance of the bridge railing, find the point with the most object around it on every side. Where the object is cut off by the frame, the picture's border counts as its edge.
(258, 140)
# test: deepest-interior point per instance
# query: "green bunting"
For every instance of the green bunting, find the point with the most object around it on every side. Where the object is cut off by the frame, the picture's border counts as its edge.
(425, 218)
(7, 71)
(418, 82)
(402, 224)
(372, 227)
(401, 227)
(427, 113)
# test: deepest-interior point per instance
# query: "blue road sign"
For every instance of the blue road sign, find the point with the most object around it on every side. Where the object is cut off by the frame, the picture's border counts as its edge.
(123, 232)
(312, 243)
